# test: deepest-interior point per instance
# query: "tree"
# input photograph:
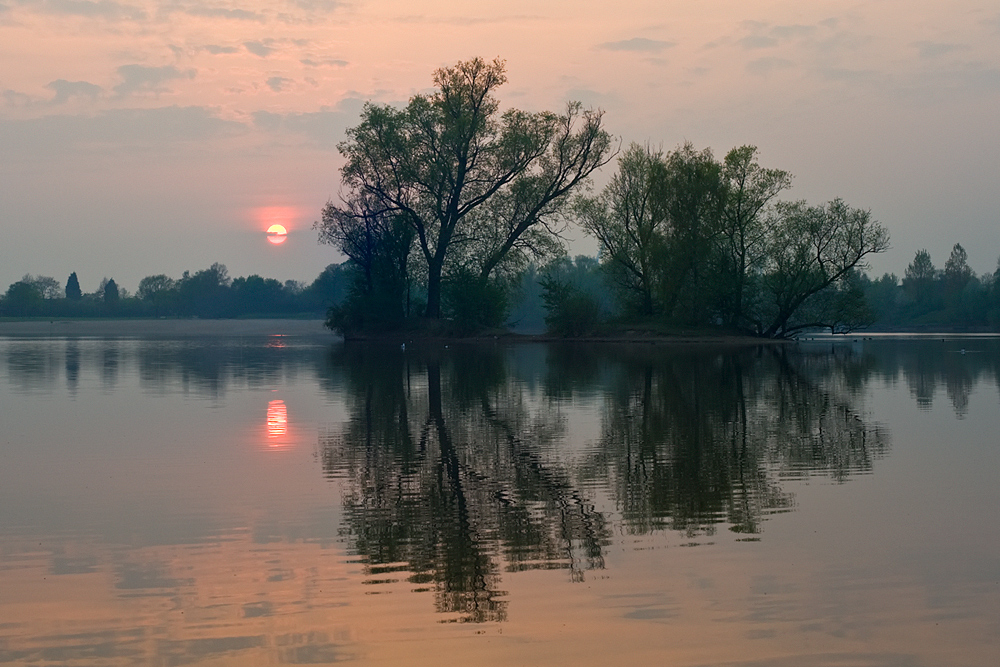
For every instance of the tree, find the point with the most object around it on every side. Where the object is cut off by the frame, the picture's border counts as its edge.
(255, 294)
(812, 249)
(628, 228)
(48, 287)
(111, 292)
(378, 244)
(22, 299)
(687, 190)
(571, 305)
(749, 190)
(329, 288)
(918, 281)
(205, 293)
(957, 272)
(457, 172)
(73, 291)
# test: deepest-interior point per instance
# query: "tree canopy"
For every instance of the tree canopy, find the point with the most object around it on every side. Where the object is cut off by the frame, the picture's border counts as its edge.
(474, 188)
(688, 239)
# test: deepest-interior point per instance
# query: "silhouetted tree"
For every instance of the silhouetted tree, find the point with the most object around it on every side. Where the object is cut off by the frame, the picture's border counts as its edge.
(812, 249)
(458, 172)
(688, 190)
(111, 294)
(73, 291)
(631, 231)
(22, 299)
(160, 291)
(749, 190)
(206, 293)
(956, 270)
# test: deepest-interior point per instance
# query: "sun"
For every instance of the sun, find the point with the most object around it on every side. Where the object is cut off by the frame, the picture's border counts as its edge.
(277, 234)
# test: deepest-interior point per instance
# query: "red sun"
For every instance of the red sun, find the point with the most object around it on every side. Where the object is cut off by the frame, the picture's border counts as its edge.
(277, 234)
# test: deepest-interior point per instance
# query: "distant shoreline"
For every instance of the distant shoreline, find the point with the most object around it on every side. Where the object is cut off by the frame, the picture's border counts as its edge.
(314, 328)
(127, 328)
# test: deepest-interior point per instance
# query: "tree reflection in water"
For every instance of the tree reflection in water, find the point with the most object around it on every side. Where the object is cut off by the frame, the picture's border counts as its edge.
(456, 470)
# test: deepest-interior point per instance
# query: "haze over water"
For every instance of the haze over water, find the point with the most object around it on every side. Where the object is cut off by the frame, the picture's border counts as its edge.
(285, 500)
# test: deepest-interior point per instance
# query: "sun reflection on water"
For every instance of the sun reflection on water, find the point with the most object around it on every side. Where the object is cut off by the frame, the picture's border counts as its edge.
(277, 424)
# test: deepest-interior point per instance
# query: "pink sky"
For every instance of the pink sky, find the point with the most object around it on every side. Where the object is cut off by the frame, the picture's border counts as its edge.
(142, 137)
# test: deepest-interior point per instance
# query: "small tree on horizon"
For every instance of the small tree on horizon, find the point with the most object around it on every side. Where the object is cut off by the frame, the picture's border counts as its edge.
(73, 291)
(111, 294)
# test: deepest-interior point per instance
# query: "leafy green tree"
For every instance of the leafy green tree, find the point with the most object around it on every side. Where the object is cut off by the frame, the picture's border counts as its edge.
(886, 298)
(920, 274)
(688, 190)
(379, 245)
(73, 291)
(474, 302)
(458, 172)
(920, 283)
(629, 229)
(957, 272)
(812, 249)
(571, 296)
(750, 189)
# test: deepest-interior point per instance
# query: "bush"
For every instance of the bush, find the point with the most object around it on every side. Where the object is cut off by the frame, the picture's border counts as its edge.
(570, 310)
(474, 303)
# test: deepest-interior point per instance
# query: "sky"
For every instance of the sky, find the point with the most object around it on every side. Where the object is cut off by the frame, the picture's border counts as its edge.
(140, 137)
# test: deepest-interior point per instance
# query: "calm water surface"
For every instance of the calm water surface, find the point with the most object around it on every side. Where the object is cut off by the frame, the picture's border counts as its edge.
(277, 500)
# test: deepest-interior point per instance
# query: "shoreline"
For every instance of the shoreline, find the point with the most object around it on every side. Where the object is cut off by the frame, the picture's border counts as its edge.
(166, 328)
(234, 328)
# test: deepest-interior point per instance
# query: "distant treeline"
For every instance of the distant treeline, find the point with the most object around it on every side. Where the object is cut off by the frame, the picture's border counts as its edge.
(209, 293)
(567, 296)
(930, 298)
(926, 298)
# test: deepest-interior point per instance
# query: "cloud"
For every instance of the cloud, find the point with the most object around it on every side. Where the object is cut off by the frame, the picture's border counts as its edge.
(758, 42)
(215, 50)
(278, 83)
(105, 9)
(465, 20)
(639, 44)
(12, 98)
(764, 36)
(792, 31)
(853, 76)
(64, 90)
(220, 12)
(54, 135)
(325, 128)
(318, 5)
(258, 49)
(143, 79)
(935, 49)
(591, 98)
(764, 66)
(326, 62)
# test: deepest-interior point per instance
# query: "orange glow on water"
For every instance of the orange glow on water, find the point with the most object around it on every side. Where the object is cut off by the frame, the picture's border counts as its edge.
(277, 422)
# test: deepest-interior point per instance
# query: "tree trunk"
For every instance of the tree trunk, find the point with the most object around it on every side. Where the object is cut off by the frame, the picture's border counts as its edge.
(433, 310)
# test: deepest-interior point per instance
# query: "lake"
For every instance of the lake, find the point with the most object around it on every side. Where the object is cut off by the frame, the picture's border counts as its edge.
(265, 499)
